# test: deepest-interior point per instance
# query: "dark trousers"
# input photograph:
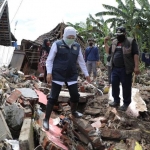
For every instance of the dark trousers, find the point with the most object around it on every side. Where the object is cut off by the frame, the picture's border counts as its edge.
(109, 74)
(119, 75)
(55, 90)
(45, 74)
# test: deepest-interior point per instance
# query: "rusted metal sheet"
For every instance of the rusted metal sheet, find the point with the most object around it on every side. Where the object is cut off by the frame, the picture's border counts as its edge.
(54, 134)
(42, 97)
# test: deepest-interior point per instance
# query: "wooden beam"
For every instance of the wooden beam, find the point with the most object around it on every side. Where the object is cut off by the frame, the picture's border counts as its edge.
(33, 58)
(32, 52)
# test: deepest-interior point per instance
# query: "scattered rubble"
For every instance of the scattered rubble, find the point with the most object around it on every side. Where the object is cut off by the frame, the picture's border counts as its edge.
(23, 99)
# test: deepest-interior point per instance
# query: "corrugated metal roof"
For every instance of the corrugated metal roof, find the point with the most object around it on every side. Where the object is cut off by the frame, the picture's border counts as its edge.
(6, 53)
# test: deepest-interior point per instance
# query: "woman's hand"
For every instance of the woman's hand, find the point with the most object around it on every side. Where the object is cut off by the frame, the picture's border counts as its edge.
(88, 79)
(49, 78)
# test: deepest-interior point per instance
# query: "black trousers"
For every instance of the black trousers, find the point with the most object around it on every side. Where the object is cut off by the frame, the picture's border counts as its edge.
(109, 74)
(55, 91)
(45, 74)
(119, 75)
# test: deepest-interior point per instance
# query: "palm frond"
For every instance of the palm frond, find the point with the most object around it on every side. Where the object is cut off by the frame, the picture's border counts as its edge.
(95, 21)
(104, 13)
(144, 3)
(114, 20)
(70, 24)
(114, 9)
(121, 5)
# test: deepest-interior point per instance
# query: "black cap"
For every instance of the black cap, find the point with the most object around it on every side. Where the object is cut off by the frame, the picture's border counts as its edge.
(91, 39)
(120, 30)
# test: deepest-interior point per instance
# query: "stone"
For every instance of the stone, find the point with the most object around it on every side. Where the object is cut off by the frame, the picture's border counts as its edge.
(13, 97)
(28, 93)
(4, 130)
(92, 111)
(14, 116)
(87, 130)
(114, 134)
(26, 135)
(111, 134)
(65, 97)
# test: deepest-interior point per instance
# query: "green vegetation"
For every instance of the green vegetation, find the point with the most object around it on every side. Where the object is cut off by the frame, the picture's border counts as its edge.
(132, 14)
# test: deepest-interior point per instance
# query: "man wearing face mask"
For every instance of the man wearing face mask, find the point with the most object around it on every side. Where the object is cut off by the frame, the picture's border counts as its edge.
(61, 67)
(124, 61)
(92, 57)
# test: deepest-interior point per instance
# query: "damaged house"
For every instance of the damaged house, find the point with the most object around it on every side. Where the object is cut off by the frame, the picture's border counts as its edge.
(29, 53)
(6, 37)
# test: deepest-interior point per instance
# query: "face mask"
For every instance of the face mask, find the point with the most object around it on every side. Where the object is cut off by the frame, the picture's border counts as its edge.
(121, 38)
(90, 44)
(69, 41)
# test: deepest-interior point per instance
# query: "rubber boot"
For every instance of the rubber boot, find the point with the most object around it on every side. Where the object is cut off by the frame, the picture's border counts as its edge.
(75, 113)
(49, 109)
(114, 104)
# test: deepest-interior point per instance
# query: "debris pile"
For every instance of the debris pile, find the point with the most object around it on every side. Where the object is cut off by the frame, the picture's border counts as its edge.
(23, 100)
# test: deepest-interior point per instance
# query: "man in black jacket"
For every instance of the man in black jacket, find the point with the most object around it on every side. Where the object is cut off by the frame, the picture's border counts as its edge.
(124, 61)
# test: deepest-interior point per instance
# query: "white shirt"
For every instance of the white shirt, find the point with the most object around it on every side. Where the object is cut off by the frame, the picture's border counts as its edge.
(50, 59)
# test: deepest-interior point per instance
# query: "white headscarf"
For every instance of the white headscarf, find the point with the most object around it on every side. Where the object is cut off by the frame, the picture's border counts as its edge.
(69, 31)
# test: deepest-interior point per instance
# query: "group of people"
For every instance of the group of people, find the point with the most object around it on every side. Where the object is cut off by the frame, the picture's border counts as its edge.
(60, 65)
(91, 57)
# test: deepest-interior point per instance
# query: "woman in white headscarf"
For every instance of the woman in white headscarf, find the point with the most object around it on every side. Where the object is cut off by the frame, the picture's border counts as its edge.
(61, 68)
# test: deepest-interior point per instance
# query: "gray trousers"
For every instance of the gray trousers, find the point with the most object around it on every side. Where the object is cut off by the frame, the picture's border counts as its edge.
(91, 67)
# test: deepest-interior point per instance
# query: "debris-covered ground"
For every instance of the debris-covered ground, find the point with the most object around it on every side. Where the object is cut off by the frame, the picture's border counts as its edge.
(23, 102)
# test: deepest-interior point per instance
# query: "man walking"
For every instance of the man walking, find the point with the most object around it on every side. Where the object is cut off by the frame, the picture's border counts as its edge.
(92, 58)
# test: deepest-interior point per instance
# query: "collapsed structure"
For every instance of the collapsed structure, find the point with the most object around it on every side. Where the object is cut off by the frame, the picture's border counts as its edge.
(23, 101)
(29, 52)
(22, 107)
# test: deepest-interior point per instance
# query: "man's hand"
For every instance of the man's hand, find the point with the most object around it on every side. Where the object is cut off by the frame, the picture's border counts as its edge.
(98, 63)
(49, 78)
(136, 70)
(106, 39)
(88, 79)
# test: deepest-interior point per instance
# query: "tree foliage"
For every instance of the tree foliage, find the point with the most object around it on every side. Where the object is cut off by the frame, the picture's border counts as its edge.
(126, 13)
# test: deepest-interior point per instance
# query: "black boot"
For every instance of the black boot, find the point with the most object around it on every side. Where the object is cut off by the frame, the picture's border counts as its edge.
(114, 104)
(49, 109)
(73, 110)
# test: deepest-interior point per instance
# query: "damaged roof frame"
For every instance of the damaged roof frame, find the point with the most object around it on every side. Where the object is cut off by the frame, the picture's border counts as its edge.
(6, 37)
